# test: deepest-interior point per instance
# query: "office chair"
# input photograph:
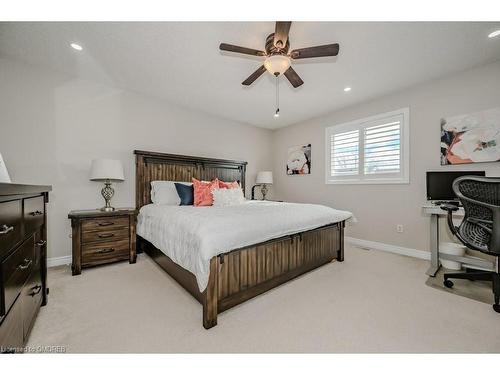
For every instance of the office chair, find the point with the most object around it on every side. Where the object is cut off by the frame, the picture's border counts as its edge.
(480, 227)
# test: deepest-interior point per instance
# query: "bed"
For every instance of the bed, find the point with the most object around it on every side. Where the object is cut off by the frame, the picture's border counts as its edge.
(242, 266)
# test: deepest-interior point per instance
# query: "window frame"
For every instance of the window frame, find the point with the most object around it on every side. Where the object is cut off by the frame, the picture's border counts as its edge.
(403, 177)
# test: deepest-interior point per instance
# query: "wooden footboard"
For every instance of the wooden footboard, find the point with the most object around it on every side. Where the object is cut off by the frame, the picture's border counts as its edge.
(242, 274)
(237, 276)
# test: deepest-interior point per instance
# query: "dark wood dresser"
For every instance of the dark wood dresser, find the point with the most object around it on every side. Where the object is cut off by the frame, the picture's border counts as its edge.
(101, 237)
(23, 261)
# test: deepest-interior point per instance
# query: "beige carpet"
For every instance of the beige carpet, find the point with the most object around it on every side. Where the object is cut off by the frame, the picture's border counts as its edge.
(373, 302)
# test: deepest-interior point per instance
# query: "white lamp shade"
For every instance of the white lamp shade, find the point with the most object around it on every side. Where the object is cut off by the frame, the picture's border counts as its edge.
(106, 169)
(264, 177)
(4, 175)
(277, 64)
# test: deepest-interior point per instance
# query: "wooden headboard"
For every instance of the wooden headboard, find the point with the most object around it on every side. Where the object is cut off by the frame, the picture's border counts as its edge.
(156, 166)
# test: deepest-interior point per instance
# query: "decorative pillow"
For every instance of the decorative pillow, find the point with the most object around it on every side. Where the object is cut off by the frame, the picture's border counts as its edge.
(228, 197)
(164, 192)
(229, 185)
(203, 192)
(186, 193)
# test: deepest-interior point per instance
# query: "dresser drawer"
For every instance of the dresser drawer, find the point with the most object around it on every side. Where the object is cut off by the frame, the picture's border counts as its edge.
(105, 235)
(34, 209)
(31, 299)
(104, 223)
(15, 271)
(10, 225)
(11, 330)
(104, 252)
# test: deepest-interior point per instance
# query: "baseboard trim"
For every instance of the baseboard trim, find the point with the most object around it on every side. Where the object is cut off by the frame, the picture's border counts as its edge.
(421, 254)
(58, 261)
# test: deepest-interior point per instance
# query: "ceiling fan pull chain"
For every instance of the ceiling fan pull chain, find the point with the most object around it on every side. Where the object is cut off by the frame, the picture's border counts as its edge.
(277, 113)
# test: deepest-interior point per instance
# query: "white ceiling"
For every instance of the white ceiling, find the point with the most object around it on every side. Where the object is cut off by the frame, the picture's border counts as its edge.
(181, 62)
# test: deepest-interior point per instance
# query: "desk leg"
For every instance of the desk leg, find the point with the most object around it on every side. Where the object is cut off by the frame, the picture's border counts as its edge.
(434, 246)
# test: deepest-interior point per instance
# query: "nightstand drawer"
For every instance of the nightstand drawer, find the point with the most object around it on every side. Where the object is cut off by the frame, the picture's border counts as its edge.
(105, 235)
(104, 252)
(104, 223)
(101, 237)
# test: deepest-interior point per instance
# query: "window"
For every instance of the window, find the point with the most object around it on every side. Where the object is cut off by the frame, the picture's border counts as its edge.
(371, 150)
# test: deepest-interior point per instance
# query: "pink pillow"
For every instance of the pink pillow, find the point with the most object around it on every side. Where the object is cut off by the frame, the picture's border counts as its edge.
(203, 192)
(229, 185)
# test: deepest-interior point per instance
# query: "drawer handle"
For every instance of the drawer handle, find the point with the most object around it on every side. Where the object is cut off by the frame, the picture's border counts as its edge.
(41, 243)
(105, 251)
(108, 235)
(35, 290)
(106, 224)
(36, 213)
(27, 264)
(4, 229)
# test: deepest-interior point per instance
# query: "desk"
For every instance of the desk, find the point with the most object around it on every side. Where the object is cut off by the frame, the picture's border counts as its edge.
(435, 212)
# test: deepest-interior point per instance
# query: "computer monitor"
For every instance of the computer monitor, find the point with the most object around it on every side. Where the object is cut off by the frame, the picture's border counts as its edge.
(439, 184)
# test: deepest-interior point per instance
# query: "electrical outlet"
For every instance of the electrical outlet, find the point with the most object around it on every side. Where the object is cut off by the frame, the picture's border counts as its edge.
(399, 228)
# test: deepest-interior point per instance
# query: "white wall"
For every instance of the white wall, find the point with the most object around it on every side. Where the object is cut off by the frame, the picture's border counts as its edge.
(379, 208)
(52, 126)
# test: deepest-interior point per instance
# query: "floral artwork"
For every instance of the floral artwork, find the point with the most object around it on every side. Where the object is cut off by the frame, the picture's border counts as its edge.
(299, 160)
(472, 138)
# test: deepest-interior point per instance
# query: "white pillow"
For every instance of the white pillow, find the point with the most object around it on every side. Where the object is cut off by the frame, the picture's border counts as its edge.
(164, 192)
(228, 197)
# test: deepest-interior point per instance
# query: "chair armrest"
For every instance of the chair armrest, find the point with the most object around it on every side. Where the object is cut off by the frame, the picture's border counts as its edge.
(449, 207)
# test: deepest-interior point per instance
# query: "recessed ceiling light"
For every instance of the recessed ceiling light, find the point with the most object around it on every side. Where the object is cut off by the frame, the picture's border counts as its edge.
(494, 34)
(76, 46)
(347, 89)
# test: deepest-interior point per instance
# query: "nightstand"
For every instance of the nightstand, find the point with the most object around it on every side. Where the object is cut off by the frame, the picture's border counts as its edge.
(102, 237)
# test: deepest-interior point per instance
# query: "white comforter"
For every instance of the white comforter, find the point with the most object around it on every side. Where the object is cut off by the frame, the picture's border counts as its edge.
(191, 236)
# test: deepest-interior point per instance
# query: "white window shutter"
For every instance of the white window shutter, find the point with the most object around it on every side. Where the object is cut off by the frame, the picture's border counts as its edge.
(382, 151)
(344, 152)
(369, 151)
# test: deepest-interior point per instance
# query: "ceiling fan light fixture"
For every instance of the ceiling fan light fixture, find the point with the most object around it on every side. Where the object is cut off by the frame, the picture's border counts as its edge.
(494, 34)
(76, 46)
(277, 64)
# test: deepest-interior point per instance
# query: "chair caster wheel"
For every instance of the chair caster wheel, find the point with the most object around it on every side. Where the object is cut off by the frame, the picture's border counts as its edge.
(496, 307)
(448, 283)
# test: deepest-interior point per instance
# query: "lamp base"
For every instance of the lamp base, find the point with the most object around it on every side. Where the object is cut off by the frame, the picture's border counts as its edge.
(107, 209)
(264, 191)
(107, 193)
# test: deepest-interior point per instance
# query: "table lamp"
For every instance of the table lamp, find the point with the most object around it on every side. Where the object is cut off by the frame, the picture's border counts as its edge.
(263, 179)
(106, 170)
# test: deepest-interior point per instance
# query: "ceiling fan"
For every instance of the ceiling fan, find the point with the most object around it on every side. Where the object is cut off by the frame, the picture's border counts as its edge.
(278, 57)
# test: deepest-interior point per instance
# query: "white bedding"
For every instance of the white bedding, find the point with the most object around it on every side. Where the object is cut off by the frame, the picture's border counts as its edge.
(191, 236)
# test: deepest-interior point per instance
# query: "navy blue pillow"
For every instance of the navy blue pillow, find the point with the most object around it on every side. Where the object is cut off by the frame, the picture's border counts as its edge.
(186, 193)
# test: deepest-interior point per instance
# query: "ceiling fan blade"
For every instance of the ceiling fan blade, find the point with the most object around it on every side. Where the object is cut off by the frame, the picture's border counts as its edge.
(254, 76)
(238, 49)
(281, 34)
(318, 51)
(293, 77)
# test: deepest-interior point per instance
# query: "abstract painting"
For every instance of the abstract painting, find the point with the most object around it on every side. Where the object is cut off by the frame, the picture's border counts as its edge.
(471, 138)
(299, 160)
